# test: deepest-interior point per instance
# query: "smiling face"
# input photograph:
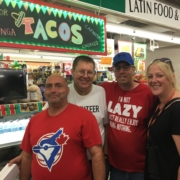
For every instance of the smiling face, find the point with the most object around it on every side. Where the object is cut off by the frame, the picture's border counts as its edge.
(124, 73)
(56, 90)
(83, 76)
(159, 84)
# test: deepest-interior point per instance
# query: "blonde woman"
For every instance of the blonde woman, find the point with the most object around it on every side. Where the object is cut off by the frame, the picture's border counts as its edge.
(163, 152)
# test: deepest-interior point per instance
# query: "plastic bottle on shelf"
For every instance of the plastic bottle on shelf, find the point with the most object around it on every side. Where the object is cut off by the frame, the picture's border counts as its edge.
(20, 65)
(104, 76)
(1, 132)
(24, 66)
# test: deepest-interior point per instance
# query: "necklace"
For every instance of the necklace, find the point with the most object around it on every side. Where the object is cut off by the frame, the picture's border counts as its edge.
(167, 100)
(158, 112)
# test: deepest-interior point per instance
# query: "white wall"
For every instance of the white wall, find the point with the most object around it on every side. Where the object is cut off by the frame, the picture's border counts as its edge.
(172, 53)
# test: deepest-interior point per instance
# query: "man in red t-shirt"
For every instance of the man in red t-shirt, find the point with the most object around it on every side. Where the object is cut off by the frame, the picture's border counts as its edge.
(56, 140)
(129, 104)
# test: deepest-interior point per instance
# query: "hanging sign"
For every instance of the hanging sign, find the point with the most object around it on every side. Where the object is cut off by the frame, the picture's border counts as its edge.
(50, 27)
(107, 60)
(140, 55)
(139, 51)
(110, 47)
(125, 46)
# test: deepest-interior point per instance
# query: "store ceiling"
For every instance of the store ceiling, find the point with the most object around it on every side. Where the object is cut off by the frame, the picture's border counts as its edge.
(140, 25)
(172, 2)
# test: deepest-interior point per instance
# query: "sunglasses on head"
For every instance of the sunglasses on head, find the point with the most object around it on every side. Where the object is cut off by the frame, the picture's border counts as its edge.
(165, 60)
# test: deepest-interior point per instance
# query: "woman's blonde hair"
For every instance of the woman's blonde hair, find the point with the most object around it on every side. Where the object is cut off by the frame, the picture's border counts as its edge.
(167, 68)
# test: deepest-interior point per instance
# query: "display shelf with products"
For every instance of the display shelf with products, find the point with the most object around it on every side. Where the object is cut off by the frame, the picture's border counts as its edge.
(40, 70)
(14, 119)
(104, 75)
(12, 128)
(140, 77)
(20, 108)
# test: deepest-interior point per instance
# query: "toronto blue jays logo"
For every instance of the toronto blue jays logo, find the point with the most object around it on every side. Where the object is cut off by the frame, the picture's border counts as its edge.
(49, 148)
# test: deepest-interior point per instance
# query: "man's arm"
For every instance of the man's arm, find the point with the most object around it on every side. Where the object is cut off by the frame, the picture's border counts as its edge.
(176, 139)
(25, 171)
(98, 164)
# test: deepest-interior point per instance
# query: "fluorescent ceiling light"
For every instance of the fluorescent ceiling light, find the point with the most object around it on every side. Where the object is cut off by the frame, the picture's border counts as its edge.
(32, 57)
(22, 55)
(8, 50)
(122, 29)
(44, 53)
(119, 29)
(57, 58)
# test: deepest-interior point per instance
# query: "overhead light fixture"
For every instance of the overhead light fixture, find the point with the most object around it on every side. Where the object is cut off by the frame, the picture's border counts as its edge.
(32, 57)
(46, 58)
(119, 29)
(122, 29)
(44, 53)
(22, 55)
(58, 58)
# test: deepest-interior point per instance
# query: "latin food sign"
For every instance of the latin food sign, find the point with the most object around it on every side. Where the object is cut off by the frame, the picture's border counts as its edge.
(154, 11)
(50, 27)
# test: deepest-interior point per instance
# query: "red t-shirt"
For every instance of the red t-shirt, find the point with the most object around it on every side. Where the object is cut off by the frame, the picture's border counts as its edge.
(58, 144)
(127, 112)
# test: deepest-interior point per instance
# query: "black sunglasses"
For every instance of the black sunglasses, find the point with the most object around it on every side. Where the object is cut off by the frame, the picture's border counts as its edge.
(165, 60)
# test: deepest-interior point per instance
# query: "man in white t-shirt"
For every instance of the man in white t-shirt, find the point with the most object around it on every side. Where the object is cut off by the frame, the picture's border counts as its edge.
(83, 93)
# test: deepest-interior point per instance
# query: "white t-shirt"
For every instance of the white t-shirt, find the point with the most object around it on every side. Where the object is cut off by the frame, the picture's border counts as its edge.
(95, 102)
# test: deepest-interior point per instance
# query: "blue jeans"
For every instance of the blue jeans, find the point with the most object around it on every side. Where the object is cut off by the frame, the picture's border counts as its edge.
(117, 174)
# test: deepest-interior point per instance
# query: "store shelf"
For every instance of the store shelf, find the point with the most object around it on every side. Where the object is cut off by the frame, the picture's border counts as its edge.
(101, 70)
(20, 108)
(14, 120)
(102, 81)
(10, 144)
(13, 133)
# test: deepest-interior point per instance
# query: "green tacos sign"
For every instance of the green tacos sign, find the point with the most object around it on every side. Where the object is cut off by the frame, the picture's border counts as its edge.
(50, 27)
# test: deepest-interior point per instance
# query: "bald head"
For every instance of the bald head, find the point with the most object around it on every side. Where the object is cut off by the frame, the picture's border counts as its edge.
(57, 76)
(56, 90)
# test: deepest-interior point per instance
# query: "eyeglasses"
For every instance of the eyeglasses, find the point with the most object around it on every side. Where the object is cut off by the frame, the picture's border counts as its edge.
(82, 73)
(124, 68)
(165, 60)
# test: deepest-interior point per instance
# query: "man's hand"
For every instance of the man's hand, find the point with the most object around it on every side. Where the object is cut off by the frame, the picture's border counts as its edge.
(17, 160)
